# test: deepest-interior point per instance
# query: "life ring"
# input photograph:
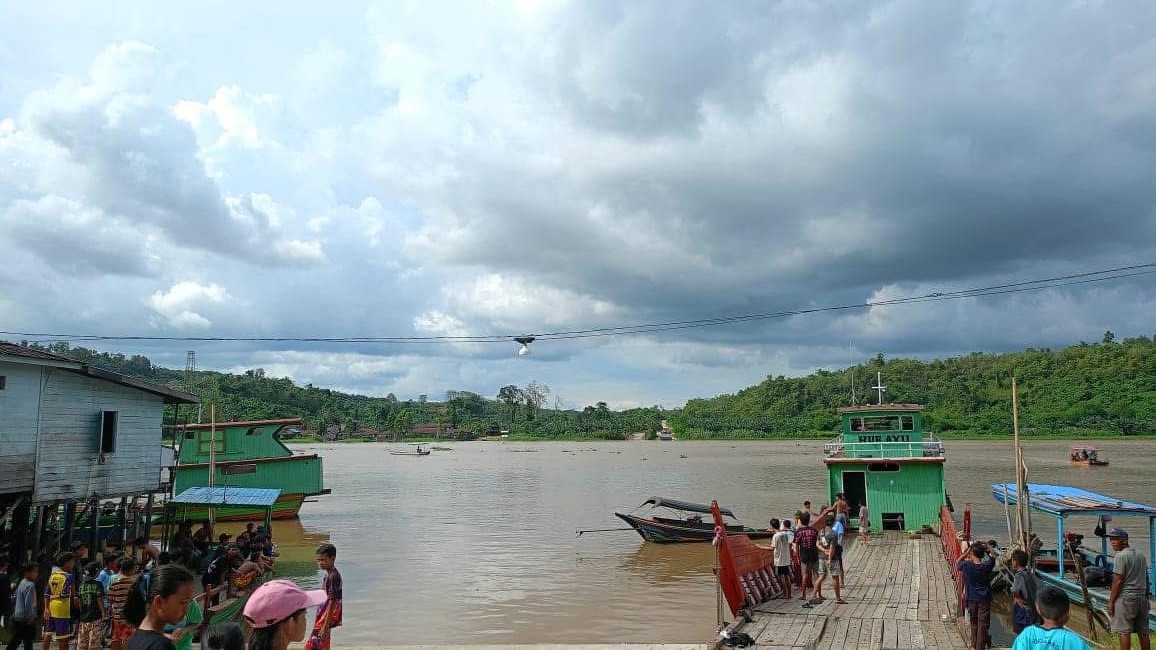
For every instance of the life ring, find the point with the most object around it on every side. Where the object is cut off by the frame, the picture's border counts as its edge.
(1101, 561)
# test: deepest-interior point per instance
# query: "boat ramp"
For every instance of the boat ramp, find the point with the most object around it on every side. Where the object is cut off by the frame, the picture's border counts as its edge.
(899, 593)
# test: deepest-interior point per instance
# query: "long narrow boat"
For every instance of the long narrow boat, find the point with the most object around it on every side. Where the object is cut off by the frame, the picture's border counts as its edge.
(1063, 501)
(419, 451)
(684, 527)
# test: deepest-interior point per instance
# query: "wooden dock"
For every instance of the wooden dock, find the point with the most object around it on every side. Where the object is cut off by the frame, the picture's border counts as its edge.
(899, 594)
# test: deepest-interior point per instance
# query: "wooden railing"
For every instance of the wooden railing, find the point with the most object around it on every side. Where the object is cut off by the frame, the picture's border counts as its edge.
(746, 571)
(951, 550)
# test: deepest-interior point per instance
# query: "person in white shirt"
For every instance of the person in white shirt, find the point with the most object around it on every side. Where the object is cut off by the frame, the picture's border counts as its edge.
(781, 543)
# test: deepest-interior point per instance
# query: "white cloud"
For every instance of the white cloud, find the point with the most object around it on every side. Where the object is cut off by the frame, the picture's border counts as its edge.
(180, 304)
(534, 166)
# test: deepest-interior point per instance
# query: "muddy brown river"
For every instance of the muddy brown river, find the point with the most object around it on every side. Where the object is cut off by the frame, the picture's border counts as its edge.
(477, 545)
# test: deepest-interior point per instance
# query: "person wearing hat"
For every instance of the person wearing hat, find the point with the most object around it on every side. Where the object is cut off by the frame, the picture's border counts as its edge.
(276, 613)
(1128, 600)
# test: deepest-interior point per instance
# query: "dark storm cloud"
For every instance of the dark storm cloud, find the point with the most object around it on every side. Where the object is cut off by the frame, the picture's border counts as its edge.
(807, 150)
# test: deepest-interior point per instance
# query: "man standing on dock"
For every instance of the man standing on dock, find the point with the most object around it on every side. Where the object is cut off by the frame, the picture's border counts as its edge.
(1128, 601)
(976, 566)
(781, 543)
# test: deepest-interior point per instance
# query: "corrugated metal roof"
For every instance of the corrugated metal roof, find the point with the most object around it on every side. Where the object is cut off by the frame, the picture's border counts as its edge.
(1063, 500)
(40, 357)
(14, 350)
(226, 496)
(879, 407)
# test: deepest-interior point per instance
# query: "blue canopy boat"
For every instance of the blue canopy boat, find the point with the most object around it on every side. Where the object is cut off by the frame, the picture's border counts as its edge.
(1063, 501)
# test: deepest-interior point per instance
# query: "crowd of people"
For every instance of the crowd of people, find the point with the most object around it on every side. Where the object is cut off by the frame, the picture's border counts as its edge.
(1040, 614)
(147, 599)
(808, 549)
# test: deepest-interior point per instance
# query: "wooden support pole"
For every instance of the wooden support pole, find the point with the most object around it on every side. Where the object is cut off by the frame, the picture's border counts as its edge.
(148, 521)
(38, 532)
(94, 526)
(69, 526)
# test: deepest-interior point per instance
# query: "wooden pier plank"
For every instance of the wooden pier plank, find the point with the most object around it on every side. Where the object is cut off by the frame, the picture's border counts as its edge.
(899, 593)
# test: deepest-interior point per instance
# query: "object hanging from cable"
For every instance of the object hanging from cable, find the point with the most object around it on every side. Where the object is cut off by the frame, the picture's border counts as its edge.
(525, 342)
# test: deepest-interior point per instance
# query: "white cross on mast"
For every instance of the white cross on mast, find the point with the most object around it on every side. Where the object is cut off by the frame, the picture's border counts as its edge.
(879, 386)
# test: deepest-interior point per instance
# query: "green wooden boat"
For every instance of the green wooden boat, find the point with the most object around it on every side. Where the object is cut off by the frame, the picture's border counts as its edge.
(247, 454)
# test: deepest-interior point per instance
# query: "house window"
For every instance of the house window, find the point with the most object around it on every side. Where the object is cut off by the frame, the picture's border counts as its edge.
(108, 430)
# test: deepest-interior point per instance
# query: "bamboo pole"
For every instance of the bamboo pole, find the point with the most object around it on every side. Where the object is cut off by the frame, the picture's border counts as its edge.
(212, 459)
(1079, 564)
(1021, 507)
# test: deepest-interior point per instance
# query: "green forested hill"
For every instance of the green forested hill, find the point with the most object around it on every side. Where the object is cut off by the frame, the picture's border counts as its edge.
(1103, 389)
(1107, 388)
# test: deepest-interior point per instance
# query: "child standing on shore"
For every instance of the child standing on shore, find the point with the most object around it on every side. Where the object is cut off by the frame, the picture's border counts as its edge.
(329, 616)
(90, 630)
(59, 593)
(24, 615)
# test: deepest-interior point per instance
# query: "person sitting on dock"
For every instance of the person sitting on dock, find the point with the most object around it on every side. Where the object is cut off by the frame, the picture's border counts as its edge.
(1128, 603)
(976, 566)
(1054, 608)
(1024, 590)
(781, 543)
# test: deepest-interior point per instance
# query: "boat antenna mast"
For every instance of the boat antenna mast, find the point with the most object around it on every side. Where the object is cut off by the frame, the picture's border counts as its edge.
(851, 363)
(879, 387)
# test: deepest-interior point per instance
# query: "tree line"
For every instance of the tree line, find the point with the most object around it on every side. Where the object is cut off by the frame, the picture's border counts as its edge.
(1107, 388)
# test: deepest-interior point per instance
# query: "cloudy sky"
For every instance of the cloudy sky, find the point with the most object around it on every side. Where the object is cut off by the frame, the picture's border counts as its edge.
(270, 169)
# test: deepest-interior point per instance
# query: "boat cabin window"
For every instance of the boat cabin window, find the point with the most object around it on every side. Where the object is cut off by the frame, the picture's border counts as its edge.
(253, 431)
(883, 467)
(882, 423)
(908, 422)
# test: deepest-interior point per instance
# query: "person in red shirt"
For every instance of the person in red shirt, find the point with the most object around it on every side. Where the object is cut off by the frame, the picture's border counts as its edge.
(329, 616)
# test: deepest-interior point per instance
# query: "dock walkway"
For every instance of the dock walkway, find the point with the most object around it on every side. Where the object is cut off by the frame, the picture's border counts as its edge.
(900, 595)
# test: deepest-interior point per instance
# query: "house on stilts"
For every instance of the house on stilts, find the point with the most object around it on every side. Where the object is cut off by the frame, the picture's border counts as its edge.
(72, 437)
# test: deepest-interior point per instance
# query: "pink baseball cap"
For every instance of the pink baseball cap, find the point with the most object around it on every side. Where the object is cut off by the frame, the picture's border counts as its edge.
(277, 600)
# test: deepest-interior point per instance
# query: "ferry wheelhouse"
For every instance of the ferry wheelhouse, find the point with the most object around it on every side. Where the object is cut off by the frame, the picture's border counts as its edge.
(884, 458)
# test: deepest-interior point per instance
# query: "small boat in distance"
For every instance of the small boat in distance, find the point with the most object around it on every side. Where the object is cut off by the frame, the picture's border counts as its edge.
(1086, 455)
(418, 451)
(665, 433)
(688, 524)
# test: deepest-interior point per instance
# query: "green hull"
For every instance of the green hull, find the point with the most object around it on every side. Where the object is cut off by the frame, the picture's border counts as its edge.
(287, 506)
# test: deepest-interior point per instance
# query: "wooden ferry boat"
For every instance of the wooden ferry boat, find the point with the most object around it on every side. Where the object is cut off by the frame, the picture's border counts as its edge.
(247, 455)
(1086, 456)
(909, 593)
(1062, 501)
(687, 526)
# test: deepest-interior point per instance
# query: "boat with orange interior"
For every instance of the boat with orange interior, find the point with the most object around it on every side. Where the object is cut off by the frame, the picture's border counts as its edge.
(1086, 456)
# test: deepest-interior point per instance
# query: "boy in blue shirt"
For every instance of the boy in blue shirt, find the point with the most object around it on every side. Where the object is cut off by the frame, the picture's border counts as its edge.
(1053, 606)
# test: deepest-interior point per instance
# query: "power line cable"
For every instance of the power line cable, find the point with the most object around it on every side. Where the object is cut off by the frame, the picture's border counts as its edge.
(644, 328)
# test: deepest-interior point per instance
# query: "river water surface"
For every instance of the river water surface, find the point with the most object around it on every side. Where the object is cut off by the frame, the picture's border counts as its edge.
(477, 545)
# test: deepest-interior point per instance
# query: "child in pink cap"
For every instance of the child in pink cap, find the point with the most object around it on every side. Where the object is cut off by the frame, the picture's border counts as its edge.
(276, 612)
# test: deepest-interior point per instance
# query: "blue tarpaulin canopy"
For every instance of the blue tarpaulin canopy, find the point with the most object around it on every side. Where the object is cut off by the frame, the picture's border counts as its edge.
(1064, 500)
(226, 496)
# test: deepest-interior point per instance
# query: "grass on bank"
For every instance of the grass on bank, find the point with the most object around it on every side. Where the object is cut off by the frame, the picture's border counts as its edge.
(1069, 433)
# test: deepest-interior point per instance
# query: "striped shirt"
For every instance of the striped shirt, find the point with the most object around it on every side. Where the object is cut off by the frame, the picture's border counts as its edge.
(118, 594)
